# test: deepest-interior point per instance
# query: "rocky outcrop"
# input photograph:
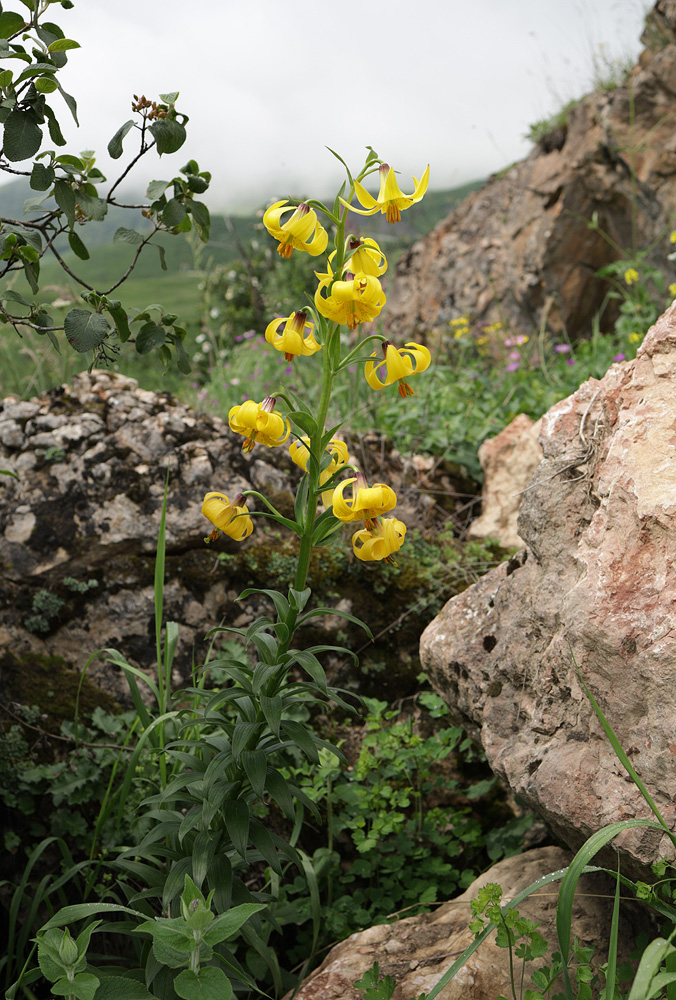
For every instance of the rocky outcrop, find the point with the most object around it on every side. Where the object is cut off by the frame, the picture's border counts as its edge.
(508, 461)
(521, 249)
(417, 951)
(79, 528)
(595, 586)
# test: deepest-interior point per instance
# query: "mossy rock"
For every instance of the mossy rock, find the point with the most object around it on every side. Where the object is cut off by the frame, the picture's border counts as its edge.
(52, 684)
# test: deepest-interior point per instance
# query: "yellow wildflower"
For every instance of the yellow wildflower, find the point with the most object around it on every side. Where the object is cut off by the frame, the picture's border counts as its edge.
(301, 232)
(362, 255)
(230, 518)
(398, 366)
(367, 502)
(672, 238)
(634, 338)
(257, 422)
(300, 453)
(379, 542)
(357, 299)
(391, 200)
(672, 290)
(631, 276)
(293, 339)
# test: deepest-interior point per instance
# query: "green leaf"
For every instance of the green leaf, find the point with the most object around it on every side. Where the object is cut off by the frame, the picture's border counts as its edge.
(55, 133)
(149, 337)
(174, 213)
(255, 766)
(10, 23)
(31, 273)
(280, 602)
(85, 330)
(95, 207)
(23, 135)
(263, 843)
(122, 988)
(182, 359)
(278, 788)
(45, 85)
(227, 924)
(304, 421)
(42, 177)
(115, 144)
(77, 246)
(210, 983)
(237, 825)
(66, 200)
(311, 666)
(299, 598)
(168, 134)
(120, 319)
(170, 97)
(61, 44)
(123, 235)
(156, 189)
(163, 259)
(299, 735)
(83, 987)
(272, 710)
(70, 102)
(201, 219)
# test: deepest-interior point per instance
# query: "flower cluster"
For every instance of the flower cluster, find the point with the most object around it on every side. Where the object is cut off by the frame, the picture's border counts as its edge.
(348, 294)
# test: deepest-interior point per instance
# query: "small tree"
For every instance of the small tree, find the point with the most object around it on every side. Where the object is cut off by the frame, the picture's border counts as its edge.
(70, 195)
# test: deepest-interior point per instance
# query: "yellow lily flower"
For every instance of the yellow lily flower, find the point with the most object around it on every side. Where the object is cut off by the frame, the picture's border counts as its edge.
(398, 366)
(293, 339)
(361, 255)
(379, 542)
(357, 299)
(257, 422)
(391, 199)
(230, 518)
(367, 503)
(300, 453)
(301, 232)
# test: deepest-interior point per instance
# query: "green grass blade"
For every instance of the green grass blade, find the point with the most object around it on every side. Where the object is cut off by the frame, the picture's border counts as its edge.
(564, 910)
(612, 943)
(652, 958)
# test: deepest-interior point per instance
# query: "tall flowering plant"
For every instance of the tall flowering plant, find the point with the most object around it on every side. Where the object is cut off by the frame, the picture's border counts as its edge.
(348, 294)
(193, 898)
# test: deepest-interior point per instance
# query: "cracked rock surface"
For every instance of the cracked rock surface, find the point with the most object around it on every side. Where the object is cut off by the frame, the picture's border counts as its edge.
(595, 585)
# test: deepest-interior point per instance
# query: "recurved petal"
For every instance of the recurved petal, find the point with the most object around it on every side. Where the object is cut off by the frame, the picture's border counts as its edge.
(366, 199)
(319, 241)
(421, 185)
(421, 354)
(341, 508)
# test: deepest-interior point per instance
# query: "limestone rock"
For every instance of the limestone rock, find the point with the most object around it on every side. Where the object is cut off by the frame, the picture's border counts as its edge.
(520, 249)
(595, 583)
(508, 460)
(417, 951)
(79, 528)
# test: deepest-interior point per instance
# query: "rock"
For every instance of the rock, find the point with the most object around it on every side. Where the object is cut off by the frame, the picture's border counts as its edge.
(596, 586)
(508, 460)
(79, 528)
(417, 951)
(536, 260)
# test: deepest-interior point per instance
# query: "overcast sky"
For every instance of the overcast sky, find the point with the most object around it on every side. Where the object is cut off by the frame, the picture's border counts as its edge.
(269, 83)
